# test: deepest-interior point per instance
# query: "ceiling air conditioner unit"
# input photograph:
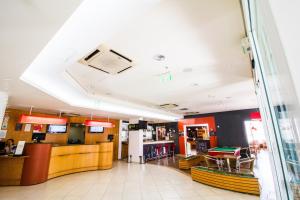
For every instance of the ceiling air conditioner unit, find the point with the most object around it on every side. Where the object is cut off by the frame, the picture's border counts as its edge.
(107, 60)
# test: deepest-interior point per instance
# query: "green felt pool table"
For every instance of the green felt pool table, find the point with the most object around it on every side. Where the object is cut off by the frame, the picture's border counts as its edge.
(235, 151)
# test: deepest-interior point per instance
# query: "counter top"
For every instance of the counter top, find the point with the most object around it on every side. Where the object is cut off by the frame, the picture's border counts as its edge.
(158, 142)
(61, 145)
(12, 157)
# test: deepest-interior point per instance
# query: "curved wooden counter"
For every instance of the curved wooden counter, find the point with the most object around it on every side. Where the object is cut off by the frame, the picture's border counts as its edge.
(77, 158)
(229, 181)
(36, 165)
(188, 162)
(11, 170)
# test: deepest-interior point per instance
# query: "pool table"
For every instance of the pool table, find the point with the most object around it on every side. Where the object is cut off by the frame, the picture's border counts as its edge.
(235, 151)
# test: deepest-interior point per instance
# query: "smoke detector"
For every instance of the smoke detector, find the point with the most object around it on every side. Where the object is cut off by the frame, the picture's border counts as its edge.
(159, 57)
(107, 60)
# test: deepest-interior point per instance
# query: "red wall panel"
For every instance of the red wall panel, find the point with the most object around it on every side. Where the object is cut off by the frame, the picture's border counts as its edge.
(202, 120)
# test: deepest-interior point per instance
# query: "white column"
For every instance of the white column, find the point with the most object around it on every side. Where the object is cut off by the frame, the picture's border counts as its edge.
(3, 103)
(135, 145)
(120, 140)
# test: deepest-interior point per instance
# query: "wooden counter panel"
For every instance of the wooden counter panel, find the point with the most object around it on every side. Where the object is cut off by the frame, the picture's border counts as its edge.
(11, 170)
(105, 155)
(74, 149)
(36, 165)
(190, 162)
(232, 182)
(70, 159)
(106, 147)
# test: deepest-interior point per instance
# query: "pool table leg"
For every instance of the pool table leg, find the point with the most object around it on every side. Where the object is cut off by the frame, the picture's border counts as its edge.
(228, 164)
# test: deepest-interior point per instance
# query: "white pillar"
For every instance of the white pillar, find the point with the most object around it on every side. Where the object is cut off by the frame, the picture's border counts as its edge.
(120, 140)
(3, 103)
(135, 145)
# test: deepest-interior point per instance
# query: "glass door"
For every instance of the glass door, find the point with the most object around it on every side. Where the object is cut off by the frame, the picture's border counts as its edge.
(277, 97)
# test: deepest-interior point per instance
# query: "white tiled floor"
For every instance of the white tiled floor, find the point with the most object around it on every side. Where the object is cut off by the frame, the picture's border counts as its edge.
(124, 181)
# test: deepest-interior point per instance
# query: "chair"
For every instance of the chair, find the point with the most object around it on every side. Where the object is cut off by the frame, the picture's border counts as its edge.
(246, 165)
(233, 163)
(245, 153)
(172, 150)
(147, 152)
(211, 162)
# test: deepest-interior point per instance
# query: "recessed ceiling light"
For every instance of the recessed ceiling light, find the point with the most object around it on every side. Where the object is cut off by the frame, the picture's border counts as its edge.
(187, 69)
(195, 84)
(159, 57)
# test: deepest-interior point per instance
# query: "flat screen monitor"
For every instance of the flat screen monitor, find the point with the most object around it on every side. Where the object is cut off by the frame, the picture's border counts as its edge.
(54, 128)
(38, 136)
(96, 129)
(2, 146)
(110, 137)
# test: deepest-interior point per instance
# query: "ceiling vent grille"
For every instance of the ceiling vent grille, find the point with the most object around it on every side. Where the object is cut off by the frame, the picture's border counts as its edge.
(183, 109)
(107, 61)
(69, 114)
(191, 113)
(168, 106)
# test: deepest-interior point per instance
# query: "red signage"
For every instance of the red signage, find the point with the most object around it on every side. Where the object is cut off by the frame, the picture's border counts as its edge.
(29, 119)
(255, 116)
(98, 123)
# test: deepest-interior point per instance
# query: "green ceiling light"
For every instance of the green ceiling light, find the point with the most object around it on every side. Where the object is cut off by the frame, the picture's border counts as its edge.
(165, 77)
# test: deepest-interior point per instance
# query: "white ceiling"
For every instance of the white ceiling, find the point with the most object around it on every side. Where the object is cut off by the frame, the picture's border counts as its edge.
(203, 36)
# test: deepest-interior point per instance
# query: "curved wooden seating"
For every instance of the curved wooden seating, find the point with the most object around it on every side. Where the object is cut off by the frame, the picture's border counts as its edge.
(229, 181)
(187, 163)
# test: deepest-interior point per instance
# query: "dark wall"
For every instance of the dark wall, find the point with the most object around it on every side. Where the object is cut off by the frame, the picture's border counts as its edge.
(173, 126)
(230, 126)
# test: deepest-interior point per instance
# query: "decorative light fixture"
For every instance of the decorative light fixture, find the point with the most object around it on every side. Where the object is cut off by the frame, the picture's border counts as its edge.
(98, 123)
(29, 119)
(92, 122)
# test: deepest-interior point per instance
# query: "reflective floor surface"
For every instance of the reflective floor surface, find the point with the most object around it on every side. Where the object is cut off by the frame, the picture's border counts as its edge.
(124, 181)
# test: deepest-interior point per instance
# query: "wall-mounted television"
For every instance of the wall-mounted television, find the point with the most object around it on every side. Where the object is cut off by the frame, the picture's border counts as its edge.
(54, 128)
(37, 137)
(96, 129)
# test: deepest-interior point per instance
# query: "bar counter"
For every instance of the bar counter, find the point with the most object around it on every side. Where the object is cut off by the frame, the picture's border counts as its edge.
(158, 142)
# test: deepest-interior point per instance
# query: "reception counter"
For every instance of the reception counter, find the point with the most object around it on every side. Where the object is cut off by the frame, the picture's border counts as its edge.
(44, 161)
(11, 170)
(78, 158)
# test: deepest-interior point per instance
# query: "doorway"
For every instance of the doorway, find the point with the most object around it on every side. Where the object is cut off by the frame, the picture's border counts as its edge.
(196, 138)
(77, 134)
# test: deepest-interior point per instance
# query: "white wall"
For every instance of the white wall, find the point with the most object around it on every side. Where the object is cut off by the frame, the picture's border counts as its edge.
(135, 142)
(135, 146)
(287, 19)
(3, 103)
